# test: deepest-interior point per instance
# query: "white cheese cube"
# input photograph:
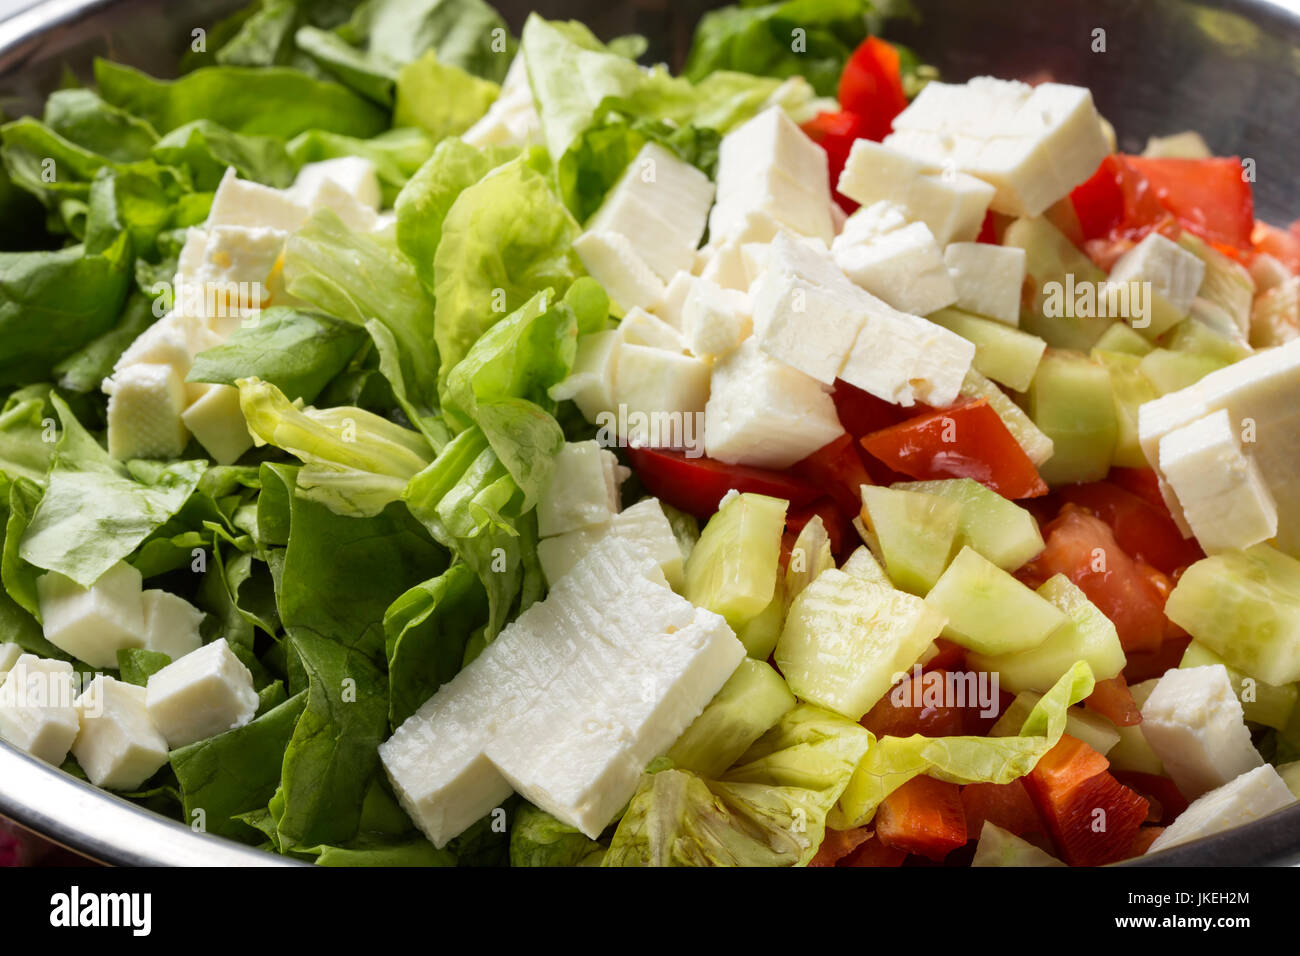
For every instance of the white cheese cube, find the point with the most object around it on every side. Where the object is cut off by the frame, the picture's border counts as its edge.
(591, 382)
(238, 202)
(987, 278)
(714, 320)
(234, 254)
(643, 525)
(902, 358)
(903, 267)
(660, 204)
(1174, 276)
(215, 419)
(171, 624)
(356, 175)
(9, 654)
(512, 118)
(763, 412)
(144, 412)
(173, 340)
(1188, 144)
(652, 384)
(1219, 489)
(118, 746)
(612, 261)
(93, 624)
(726, 267)
(639, 327)
(583, 491)
(328, 194)
(205, 693)
(37, 712)
(669, 308)
(1251, 796)
(1194, 723)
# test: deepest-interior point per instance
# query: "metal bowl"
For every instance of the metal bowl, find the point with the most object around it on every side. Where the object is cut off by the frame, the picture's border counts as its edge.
(1229, 69)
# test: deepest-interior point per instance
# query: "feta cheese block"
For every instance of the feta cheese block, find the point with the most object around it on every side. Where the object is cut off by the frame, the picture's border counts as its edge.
(1222, 494)
(512, 118)
(171, 624)
(355, 175)
(238, 202)
(1262, 397)
(93, 624)
(951, 204)
(216, 421)
(145, 403)
(612, 260)
(643, 525)
(769, 168)
(173, 340)
(660, 204)
(205, 693)
(9, 654)
(669, 308)
(714, 320)
(1251, 796)
(583, 490)
(656, 390)
(118, 746)
(724, 265)
(640, 327)
(1032, 144)
(903, 358)
(1171, 273)
(897, 261)
(987, 278)
(1195, 725)
(37, 708)
(766, 413)
(590, 385)
(239, 254)
(352, 212)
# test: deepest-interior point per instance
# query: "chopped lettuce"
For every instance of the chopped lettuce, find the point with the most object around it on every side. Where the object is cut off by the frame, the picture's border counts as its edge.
(538, 839)
(439, 98)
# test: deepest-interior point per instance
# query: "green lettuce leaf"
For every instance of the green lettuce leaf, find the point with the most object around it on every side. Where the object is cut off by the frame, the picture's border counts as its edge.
(86, 368)
(538, 839)
(27, 434)
(135, 665)
(207, 149)
(81, 117)
(439, 98)
(19, 577)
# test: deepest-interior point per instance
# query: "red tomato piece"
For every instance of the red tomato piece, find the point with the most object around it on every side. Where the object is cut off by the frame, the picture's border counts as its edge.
(1142, 530)
(861, 413)
(1155, 788)
(951, 656)
(837, 468)
(696, 485)
(1092, 817)
(872, 86)
(988, 230)
(924, 816)
(966, 441)
(904, 711)
(1113, 700)
(1144, 665)
(1082, 547)
(1117, 202)
(1007, 805)
(1143, 482)
(1142, 841)
(874, 853)
(836, 133)
(838, 844)
(1210, 197)
(839, 527)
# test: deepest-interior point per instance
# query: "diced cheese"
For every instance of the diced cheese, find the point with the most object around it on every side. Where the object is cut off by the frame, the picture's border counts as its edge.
(118, 746)
(356, 175)
(1173, 274)
(1267, 272)
(1251, 796)
(644, 525)
(714, 320)
(591, 383)
(1194, 723)
(1033, 144)
(650, 382)
(93, 624)
(37, 712)
(903, 359)
(639, 327)
(669, 308)
(725, 267)
(613, 262)
(327, 193)
(1188, 144)
(660, 205)
(896, 261)
(173, 340)
(764, 412)
(238, 202)
(144, 412)
(234, 254)
(987, 278)
(1220, 490)
(205, 693)
(171, 624)
(512, 118)
(583, 490)
(215, 419)
(9, 654)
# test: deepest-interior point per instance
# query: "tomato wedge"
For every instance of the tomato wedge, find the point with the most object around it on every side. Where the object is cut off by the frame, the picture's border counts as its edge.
(913, 715)
(923, 816)
(1210, 197)
(696, 485)
(838, 844)
(838, 525)
(1140, 529)
(1113, 700)
(872, 86)
(836, 468)
(1157, 789)
(965, 441)
(836, 133)
(1007, 805)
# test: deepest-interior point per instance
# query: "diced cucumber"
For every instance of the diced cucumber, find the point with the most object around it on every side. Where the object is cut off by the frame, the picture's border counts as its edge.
(1120, 338)
(733, 568)
(917, 534)
(749, 703)
(999, 529)
(999, 847)
(1171, 371)
(1133, 752)
(1035, 444)
(1071, 401)
(1290, 774)
(1227, 284)
(760, 632)
(1003, 353)
(1197, 338)
(846, 641)
(1131, 389)
(1244, 606)
(988, 610)
(862, 564)
(810, 555)
(1050, 257)
(1266, 704)
(1087, 635)
(1093, 729)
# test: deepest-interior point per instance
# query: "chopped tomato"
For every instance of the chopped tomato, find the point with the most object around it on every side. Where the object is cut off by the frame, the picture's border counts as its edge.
(1144, 665)
(1142, 841)
(1142, 530)
(1117, 202)
(966, 441)
(836, 133)
(1143, 482)
(1157, 789)
(872, 86)
(838, 844)
(950, 657)
(1282, 244)
(838, 470)
(861, 413)
(1007, 805)
(1113, 700)
(1209, 197)
(696, 485)
(988, 229)
(874, 853)
(915, 707)
(923, 816)
(1082, 547)
(839, 527)
(1092, 817)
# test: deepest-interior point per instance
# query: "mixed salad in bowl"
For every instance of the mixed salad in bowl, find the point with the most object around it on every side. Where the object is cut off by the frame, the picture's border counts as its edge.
(425, 445)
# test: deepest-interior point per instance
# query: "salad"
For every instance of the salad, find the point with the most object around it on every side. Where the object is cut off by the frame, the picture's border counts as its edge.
(429, 446)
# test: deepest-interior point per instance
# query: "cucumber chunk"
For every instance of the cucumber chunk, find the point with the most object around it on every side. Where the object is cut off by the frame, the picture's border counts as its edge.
(1027, 435)
(1171, 371)
(1133, 752)
(1003, 353)
(733, 568)
(917, 534)
(999, 847)
(863, 564)
(988, 610)
(1120, 338)
(1266, 704)
(1050, 257)
(749, 703)
(760, 632)
(1131, 390)
(1072, 402)
(999, 529)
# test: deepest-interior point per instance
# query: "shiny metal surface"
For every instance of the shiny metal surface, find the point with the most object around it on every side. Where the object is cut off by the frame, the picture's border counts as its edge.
(1229, 69)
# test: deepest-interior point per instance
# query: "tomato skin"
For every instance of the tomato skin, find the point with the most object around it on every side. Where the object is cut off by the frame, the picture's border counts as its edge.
(837, 844)
(1113, 700)
(966, 441)
(838, 469)
(1145, 665)
(890, 719)
(836, 133)
(1160, 791)
(1082, 547)
(839, 527)
(872, 87)
(874, 853)
(1143, 482)
(861, 413)
(1007, 805)
(924, 816)
(1142, 530)
(696, 485)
